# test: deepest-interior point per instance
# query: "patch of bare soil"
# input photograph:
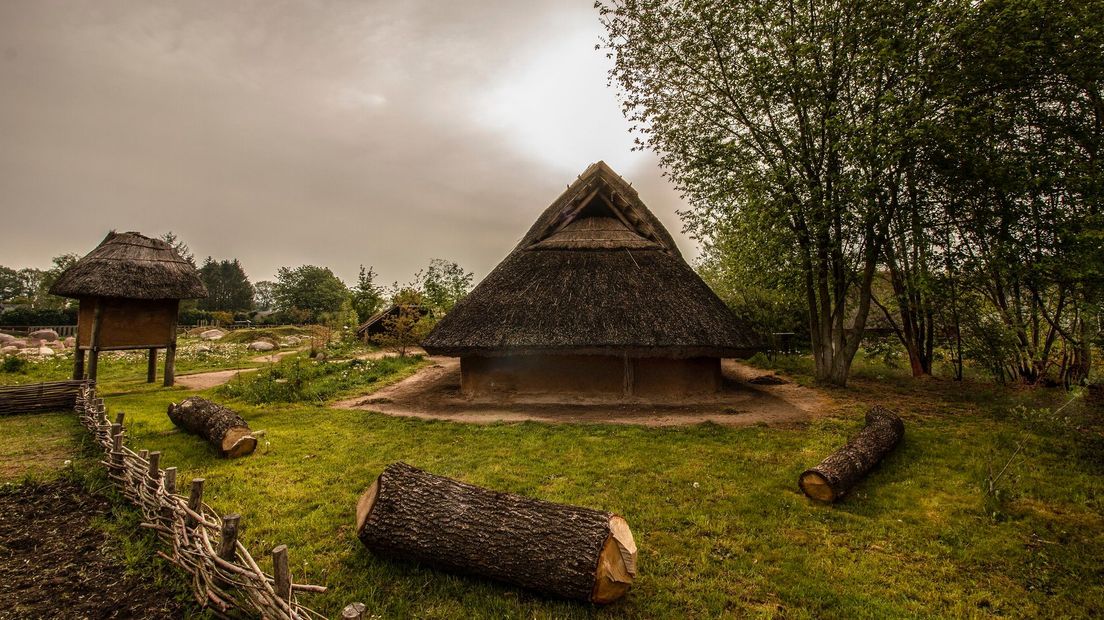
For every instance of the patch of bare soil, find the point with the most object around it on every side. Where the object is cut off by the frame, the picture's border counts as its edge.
(434, 393)
(207, 380)
(53, 562)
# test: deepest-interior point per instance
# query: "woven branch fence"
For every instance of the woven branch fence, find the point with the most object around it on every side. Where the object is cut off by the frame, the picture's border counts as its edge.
(225, 577)
(49, 396)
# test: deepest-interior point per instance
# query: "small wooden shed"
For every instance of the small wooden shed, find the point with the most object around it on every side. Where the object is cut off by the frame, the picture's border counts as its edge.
(595, 300)
(377, 323)
(129, 289)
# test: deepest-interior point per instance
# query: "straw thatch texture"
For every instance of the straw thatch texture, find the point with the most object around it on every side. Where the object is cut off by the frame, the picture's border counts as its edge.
(597, 274)
(132, 266)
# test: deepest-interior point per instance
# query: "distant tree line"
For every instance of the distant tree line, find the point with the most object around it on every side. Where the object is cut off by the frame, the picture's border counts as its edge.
(932, 166)
(304, 294)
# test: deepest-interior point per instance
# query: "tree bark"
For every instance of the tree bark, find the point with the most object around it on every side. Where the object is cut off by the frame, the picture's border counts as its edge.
(841, 471)
(215, 423)
(565, 551)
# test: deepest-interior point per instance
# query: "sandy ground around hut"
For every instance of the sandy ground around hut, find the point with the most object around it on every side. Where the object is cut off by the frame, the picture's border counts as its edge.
(434, 393)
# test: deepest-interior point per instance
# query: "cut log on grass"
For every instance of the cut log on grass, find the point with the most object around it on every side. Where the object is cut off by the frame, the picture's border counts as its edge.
(565, 551)
(836, 474)
(215, 423)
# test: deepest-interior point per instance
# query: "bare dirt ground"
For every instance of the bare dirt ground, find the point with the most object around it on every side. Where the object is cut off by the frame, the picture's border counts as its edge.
(53, 564)
(434, 393)
(207, 380)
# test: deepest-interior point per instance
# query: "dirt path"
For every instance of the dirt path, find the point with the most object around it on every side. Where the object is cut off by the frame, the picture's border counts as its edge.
(208, 380)
(434, 393)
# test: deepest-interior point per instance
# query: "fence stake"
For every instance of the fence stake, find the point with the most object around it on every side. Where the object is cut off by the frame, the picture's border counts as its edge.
(170, 480)
(281, 573)
(154, 472)
(195, 500)
(228, 546)
(353, 611)
(119, 417)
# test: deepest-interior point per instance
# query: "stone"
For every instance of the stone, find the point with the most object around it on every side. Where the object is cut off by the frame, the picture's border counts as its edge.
(261, 345)
(212, 334)
(8, 350)
(6, 338)
(202, 349)
(70, 341)
(45, 335)
(19, 344)
(45, 351)
(290, 341)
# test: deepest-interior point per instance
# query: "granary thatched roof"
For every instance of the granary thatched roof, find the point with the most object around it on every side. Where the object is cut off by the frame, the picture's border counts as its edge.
(132, 266)
(596, 274)
(375, 323)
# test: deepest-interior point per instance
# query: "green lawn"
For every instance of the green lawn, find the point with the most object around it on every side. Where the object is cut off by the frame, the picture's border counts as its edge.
(721, 526)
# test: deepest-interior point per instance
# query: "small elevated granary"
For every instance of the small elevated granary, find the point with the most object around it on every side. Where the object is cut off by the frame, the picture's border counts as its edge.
(595, 300)
(129, 289)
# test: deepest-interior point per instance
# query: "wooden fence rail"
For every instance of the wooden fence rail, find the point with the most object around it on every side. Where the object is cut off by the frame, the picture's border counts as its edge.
(63, 331)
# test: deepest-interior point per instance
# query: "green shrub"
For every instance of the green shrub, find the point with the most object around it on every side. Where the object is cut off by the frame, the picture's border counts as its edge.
(14, 364)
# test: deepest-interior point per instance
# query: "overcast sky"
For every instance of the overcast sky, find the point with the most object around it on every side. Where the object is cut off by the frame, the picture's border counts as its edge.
(281, 133)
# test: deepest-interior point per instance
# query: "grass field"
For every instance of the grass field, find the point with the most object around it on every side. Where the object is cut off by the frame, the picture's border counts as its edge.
(721, 526)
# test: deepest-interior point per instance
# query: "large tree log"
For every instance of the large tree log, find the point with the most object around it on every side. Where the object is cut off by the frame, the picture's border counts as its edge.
(215, 423)
(839, 472)
(565, 551)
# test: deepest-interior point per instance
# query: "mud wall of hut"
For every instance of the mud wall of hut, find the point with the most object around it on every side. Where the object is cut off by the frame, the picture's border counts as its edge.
(589, 375)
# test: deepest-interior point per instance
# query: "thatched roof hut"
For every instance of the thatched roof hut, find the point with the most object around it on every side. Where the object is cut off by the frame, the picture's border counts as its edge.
(597, 275)
(377, 323)
(129, 289)
(131, 266)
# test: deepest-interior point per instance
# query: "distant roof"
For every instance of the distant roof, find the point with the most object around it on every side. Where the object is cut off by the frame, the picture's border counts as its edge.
(597, 273)
(375, 322)
(132, 266)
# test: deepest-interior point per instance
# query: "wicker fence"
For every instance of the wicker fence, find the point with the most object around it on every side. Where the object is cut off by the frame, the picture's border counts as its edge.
(225, 577)
(49, 396)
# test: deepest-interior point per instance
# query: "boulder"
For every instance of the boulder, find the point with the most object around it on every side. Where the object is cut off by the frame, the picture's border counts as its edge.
(6, 338)
(45, 335)
(45, 351)
(70, 341)
(8, 350)
(19, 344)
(35, 342)
(202, 349)
(212, 334)
(290, 341)
(261, 345)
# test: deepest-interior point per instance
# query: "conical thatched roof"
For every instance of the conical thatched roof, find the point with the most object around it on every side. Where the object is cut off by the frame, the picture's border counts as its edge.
(597, 274)
(131, 266)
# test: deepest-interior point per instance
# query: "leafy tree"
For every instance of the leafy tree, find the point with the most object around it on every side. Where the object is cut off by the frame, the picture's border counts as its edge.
(264, 295)
(443, 283)
(798, 114)
(309, 291)
(228, 288)
(367, 296)
(11, 284)
(181, 248)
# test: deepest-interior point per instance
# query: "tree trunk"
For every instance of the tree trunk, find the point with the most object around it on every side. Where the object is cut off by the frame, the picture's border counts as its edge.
(838, 473)
(564, 551)
(215, 423)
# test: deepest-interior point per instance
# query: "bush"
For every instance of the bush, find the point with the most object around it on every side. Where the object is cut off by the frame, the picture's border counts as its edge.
(14, 364)
(39, 316)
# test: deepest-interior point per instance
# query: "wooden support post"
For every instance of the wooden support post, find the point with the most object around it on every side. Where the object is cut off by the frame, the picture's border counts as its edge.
(628, 381)
(119, 417)
(170, 351)
(228, 545)
(151, 366)
(78, 362)
(195, 501)
(353, 611)
(94, 341)
(281, 572)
